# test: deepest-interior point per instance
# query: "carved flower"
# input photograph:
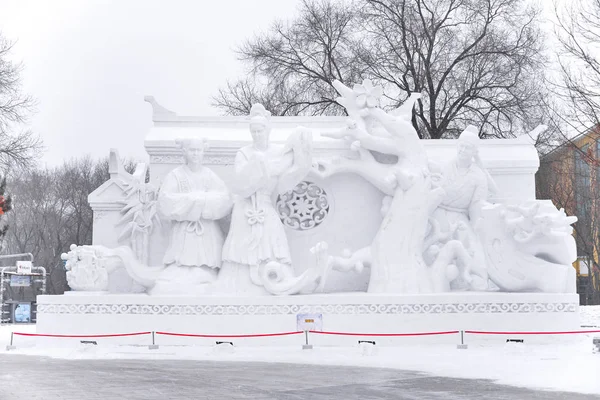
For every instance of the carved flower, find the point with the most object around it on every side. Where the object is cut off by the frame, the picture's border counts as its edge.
(367, 95)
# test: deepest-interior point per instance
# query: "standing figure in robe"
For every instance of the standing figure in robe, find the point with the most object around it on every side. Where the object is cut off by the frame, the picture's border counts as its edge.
(193, 198)
(256, 235)
(466, 185)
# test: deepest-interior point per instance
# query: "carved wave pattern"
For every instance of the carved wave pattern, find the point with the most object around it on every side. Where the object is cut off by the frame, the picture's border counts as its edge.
(279, 309)
(303, 207)
(209, 159)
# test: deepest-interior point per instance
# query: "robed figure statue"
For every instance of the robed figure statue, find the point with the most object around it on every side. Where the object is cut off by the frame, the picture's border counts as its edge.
(192, 198)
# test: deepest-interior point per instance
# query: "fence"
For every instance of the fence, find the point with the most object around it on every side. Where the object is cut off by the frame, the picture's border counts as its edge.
(154, 345)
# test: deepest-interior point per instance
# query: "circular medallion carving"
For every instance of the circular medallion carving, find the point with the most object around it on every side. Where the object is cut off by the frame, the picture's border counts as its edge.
(304, 207)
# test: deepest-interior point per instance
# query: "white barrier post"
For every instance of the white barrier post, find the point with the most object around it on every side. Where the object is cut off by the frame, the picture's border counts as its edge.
(10, 346)
(462, 345)
(153, 346)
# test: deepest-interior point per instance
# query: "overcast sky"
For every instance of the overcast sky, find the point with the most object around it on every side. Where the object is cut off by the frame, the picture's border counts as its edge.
(89, 63)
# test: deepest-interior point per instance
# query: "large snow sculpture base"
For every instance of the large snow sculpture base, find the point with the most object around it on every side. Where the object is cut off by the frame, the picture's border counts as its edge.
(97, 313)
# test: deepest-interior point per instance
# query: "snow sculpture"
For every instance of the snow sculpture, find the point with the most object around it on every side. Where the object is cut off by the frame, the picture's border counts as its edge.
(304, 207)
(89, 268)
(529, 247)
(139, 212)
(86, 271)
(438, 233)
(396, 254)
(429, 240)
(465, 184)
(193, 198)
(348, 262)
(256, 255)
(94, 267)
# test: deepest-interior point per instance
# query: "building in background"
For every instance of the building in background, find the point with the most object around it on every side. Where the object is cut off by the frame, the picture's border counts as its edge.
(570, 176)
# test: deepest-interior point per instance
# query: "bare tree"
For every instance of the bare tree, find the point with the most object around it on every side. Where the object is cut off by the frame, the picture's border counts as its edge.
(51, 211)
(569, 175)
(573, 106)
(36, 221)
(237, 98)
(578, 32)
(293, 65)
(474, 62)
(570, 165)
(22, 148)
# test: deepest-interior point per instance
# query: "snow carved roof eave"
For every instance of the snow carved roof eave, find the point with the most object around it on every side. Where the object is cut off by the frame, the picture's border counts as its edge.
(227, 134)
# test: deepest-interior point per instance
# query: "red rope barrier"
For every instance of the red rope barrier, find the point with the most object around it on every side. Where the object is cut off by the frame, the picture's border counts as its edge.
(229, 336)
(385, 334)
(82, 336)
(529, 333)
(299, 332)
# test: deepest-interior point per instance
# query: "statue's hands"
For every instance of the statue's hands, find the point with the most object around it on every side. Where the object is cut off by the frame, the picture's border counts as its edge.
(437, 180)
(350, 131)
(404, 178)
(261, 160)
(435, 173)
(391, 180)
(365, 112)
(259, 157)
(353, 131)
(355, 146)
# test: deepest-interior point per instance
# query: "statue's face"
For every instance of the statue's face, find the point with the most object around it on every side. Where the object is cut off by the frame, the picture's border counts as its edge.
(194, 152)
(466, 152)
(260, 136)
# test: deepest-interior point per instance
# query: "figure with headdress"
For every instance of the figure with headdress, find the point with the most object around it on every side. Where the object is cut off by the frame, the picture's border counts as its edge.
(256, 235)
(466, 184)
(193, 198)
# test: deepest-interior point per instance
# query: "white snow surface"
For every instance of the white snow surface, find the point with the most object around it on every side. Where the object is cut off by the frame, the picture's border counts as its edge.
(590, 315)
(567, 364)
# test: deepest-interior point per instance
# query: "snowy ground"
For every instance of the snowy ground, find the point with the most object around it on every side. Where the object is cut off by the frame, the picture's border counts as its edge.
(590, 315)
(568, 365)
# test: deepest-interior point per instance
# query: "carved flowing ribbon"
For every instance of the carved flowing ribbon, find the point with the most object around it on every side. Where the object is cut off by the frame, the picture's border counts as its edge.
(255, 218)
(195, 227)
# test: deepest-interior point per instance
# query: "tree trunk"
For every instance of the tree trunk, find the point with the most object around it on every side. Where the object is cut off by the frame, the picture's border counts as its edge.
(398, 265)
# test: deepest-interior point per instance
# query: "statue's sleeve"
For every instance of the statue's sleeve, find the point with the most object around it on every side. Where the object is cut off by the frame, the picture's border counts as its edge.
(250, 175)
(480, 196)
(178, 206)
(481, 190)
(217, 203)
(297, 161)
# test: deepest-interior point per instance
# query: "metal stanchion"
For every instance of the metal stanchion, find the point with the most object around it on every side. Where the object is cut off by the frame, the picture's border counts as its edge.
(153, 346)
(462, 344)
(10, 346)
(306, 346)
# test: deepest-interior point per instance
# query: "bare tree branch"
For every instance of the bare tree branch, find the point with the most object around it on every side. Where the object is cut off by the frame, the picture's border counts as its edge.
(474, 62)
(51, 211)
(22, 148)
(299, 60)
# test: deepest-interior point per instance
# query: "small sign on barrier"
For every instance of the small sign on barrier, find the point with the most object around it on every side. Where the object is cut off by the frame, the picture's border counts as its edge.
(24, 267)
(20, 281)
(309, 322)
